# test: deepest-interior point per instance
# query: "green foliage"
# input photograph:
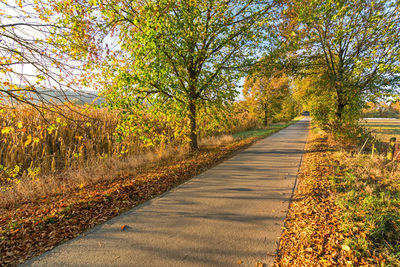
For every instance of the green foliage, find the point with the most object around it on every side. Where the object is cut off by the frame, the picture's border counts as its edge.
(154, 125)
(269, 96)
(172, 55)
(347, 50)
(290, 108)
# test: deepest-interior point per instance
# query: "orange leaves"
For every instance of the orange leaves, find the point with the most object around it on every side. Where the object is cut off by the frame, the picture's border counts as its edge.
(312, 236)
(327, 224)
(7, 130)
(50, 220)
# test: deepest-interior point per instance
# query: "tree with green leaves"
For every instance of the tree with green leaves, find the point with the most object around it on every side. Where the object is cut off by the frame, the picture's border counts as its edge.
(350, 49)
(171, 52)
(267, 94)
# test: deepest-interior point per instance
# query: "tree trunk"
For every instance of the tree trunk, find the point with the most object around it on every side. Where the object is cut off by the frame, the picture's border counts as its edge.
(339, 111)
(339, 123)
(265, 121)
(192, 97)
(192, 118)
(340, 105)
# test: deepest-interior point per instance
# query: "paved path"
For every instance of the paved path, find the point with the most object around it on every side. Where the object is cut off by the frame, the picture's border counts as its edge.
(230, 214)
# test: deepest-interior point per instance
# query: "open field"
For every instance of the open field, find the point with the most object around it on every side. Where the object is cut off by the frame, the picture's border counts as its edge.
(383, 128)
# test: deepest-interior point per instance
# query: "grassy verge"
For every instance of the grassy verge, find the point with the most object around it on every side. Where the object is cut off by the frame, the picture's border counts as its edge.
(36, 225)
(368, 194)
(263, 131)
(345, 211)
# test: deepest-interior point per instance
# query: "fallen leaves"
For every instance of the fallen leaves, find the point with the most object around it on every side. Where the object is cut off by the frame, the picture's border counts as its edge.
(312, 236)
(345, 247)
(341, 214)
(37, 226)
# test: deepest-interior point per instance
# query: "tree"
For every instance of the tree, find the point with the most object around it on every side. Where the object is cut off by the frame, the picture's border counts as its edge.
(33, 69)
(267, 93)
(349, 48)
(175, 52)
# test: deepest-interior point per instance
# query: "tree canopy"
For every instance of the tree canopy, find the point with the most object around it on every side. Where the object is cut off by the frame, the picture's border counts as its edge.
(349, 48)
(268, 93)
(180, 53)
(172, 58)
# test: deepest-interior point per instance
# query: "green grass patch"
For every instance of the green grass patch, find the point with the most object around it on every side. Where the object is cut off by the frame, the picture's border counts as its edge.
(370, 208)
(270, 129)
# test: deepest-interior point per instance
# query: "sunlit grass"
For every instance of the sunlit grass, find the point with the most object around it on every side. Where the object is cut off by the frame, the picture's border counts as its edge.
(270, 129)
(35, 144)
(368, 194)
(383, 129)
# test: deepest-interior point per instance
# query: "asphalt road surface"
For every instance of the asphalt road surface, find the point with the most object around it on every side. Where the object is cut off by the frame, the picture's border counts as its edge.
(230, 215)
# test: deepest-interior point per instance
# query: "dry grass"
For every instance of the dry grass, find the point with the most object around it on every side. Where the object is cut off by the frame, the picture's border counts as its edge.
(34, 144)
(215, 141)
(95, 171)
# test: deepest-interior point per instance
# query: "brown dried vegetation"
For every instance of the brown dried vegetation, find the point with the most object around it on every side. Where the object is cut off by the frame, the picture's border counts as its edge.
(38, 224)
(345, 211)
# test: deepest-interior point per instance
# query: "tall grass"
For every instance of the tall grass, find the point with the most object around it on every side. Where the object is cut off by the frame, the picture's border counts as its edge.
(97, 171)
(34, 143)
